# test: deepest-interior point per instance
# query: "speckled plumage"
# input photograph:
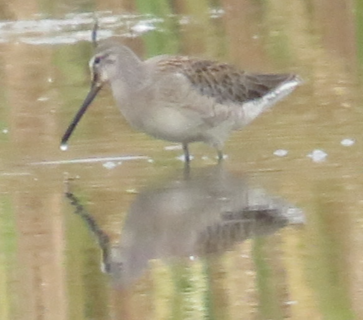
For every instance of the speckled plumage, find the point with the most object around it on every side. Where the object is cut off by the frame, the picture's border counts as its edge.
(222, 81)
(183, 99)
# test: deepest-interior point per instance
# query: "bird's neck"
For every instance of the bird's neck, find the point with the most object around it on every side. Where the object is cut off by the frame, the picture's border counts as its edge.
(132, 72)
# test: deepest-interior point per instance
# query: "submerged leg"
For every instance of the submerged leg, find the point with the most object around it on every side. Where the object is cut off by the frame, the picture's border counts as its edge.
(220, 155)
(186, 170)
(186, 152)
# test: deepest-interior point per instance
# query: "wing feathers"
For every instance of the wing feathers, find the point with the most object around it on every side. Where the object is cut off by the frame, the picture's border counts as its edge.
(224, 82)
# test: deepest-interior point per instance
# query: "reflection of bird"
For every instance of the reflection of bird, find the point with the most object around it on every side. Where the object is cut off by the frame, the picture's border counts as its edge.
(206, 213)
(182, 99)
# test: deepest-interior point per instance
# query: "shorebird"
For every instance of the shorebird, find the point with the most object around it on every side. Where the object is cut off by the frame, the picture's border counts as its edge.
(182, 99)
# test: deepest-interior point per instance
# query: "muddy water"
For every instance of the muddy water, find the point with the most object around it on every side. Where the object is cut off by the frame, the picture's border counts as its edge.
(274, 233)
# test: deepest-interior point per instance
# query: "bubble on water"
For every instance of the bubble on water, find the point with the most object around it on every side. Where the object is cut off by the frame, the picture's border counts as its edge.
(281, 153)
(143, 26)
(182, 158)
(347, 142)
(173, 147)
(43, 98)
(318, 155)
(225, 156)
(109, 165)
(64, 147)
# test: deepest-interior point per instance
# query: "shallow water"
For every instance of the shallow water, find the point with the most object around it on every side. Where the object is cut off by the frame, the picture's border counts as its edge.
(273, 233)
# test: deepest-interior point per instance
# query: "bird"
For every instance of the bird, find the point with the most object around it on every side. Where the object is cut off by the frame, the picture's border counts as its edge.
(179, 98)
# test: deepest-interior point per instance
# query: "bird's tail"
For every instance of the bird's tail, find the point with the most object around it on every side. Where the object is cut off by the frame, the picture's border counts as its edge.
(252, 109)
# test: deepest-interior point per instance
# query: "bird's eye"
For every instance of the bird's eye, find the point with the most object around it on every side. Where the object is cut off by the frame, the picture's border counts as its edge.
(97, 60)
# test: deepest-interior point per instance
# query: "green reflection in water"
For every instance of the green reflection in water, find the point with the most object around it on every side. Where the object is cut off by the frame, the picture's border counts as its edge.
(8, 241)
(191, 296)
(359, 32)
(56, 8)
(278, 41)
(87, 286)
(163, 41)
(269, 306)
(329, 267)
(5, 109)
(359, 28)
(206, 36)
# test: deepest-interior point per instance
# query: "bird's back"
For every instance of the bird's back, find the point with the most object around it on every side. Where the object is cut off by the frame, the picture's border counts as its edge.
(221, 81)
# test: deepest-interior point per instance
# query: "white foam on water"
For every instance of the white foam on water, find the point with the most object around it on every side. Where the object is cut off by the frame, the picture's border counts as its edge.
(143, 26)
(182, 157)
(173, 147)
(281, 152)
(43, 98)
(76, 27)
(347, 142)
(90, 160)
(109, 165)
(318, 155)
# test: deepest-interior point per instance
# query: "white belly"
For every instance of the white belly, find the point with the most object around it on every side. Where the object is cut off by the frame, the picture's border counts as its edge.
(172, 125)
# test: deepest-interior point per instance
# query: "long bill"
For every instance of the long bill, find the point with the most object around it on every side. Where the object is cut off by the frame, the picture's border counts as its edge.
(87, 101)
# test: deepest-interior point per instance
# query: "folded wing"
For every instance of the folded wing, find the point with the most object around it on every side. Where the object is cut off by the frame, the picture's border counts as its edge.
(226, 83)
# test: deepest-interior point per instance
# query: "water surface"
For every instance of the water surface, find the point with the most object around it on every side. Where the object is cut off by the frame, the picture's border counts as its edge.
(274, 233)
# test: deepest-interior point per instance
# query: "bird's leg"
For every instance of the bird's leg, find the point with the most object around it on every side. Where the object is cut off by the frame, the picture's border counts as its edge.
(186, 171)
(219, 155)
(186, 152)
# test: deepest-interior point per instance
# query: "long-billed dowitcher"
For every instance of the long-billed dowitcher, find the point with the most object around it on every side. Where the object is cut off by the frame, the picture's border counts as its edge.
(182, 99)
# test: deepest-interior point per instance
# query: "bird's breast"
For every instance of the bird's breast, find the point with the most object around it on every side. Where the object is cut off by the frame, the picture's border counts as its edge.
(170, 123)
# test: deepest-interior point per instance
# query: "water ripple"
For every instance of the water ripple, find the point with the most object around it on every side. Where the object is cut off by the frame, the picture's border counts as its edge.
(76, 27)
